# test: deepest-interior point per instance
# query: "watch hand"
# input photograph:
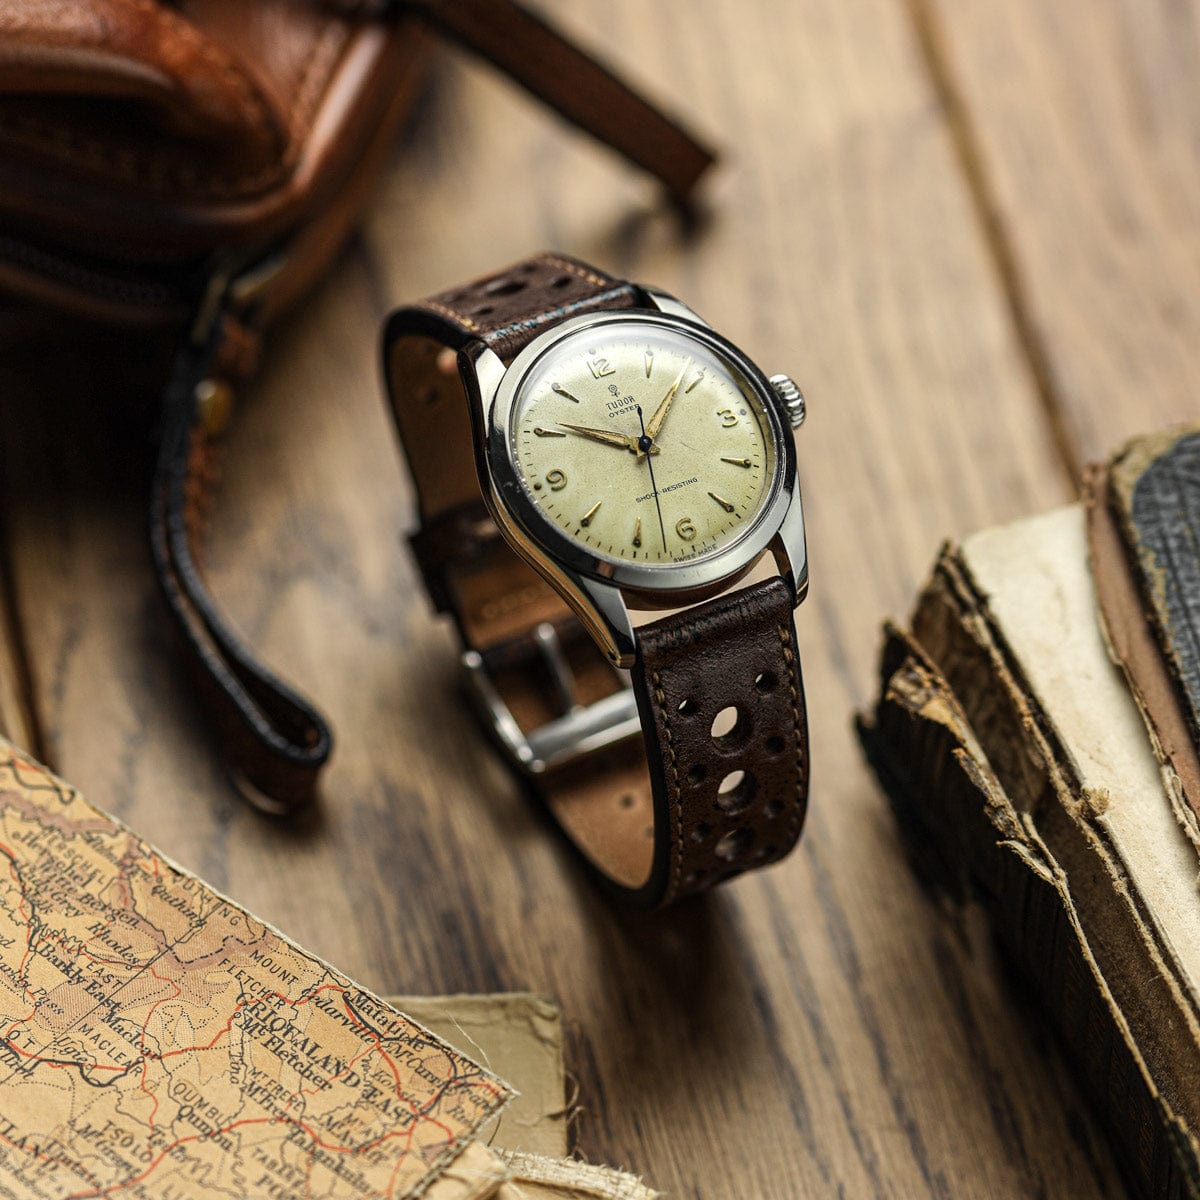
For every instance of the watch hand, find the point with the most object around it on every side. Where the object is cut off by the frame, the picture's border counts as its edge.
(660, 413)
(607, 436)
(646, 445)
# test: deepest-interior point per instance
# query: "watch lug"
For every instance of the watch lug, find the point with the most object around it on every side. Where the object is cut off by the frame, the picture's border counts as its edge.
(666, 303)
(487, 370)
(790, 546)
(610, 622)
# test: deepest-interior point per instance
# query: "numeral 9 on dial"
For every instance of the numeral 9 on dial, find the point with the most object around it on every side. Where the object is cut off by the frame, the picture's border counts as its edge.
(556, 479)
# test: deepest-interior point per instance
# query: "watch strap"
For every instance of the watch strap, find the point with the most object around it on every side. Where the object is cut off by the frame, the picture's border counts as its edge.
(701, 770)
(696, 807)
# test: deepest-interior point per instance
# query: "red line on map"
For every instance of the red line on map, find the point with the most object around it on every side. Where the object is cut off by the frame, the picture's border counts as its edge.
(376, 1045)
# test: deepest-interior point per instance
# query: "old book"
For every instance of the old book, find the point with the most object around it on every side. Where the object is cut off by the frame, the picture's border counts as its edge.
(1020, 768)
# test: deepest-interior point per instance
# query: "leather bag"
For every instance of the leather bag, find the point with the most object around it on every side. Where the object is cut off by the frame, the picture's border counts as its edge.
(186, 169)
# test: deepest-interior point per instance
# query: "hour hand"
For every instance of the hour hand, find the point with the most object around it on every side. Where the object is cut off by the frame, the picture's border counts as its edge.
(607, 437)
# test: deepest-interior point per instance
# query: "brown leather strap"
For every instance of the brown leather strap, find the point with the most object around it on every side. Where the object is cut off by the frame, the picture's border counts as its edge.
(274, 740)
(718, 783)
(574, 84)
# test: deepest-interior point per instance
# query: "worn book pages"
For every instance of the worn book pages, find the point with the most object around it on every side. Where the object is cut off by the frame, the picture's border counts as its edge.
(158, 1041)
(1018, 762)
(519, 1037)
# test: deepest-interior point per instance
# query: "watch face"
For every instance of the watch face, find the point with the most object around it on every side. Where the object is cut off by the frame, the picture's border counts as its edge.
(643, 443)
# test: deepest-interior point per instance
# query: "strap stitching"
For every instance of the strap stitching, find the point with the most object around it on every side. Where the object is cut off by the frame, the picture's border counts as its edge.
(789, 657)
(660, 698)
(577, 271)
(447, 311)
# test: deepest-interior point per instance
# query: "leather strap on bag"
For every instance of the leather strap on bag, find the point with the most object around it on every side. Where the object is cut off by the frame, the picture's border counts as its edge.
(672, 807)
(574, 84)
(275, 741)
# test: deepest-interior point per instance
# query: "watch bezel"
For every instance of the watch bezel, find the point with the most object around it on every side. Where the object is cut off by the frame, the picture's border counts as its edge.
(550, 539)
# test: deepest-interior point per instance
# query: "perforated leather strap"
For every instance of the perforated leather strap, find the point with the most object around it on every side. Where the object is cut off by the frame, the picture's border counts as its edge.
(688, 801)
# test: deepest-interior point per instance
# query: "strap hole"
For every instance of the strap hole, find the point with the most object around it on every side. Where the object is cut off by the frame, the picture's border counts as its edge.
(686, 707)
(731, 782)
(735, 792)
(725, 722)
(774, 809)
(627, 801)
(765, 682)
(561, 282)
(483, 311)
(775, 744)
(734, 844)
(697, 774)
(426, 395)
(700, 832)
(504, 287)
(447, 361)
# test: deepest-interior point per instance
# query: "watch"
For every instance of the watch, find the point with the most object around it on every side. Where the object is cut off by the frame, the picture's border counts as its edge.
(584, 449)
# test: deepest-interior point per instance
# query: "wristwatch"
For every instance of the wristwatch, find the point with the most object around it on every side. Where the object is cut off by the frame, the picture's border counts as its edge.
(584, 449)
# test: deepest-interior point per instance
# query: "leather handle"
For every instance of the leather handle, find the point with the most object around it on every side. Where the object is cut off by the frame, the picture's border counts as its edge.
(584, 91)
(275, 741)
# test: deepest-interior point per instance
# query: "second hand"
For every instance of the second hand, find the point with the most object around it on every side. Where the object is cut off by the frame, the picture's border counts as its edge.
(644, 444)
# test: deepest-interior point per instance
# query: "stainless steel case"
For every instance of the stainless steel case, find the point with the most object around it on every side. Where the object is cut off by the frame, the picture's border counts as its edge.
(601, 592)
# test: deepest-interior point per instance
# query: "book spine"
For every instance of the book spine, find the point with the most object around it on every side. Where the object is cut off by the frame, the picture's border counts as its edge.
(969, 841)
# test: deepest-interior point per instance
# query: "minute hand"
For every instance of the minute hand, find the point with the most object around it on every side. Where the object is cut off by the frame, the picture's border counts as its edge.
(660, 413)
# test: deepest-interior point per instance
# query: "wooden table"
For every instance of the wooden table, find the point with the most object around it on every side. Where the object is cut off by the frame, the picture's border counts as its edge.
(970, 230)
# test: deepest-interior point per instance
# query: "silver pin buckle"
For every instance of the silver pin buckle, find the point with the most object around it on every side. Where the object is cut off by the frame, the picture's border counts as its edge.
(579, 730)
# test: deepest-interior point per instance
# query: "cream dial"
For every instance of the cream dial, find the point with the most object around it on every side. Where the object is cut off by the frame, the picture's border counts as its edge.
(643, 444)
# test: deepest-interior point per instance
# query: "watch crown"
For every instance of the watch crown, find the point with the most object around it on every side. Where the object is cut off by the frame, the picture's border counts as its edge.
(792, 398)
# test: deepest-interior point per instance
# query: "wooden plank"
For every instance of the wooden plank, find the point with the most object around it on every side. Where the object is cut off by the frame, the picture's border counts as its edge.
(13, 676)
(1079, 124)
(819, 1029)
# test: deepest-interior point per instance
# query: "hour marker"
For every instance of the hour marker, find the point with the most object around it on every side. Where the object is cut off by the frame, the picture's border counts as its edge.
(695, 381)
(600, 367)
(562, 391)
(637, 532)
(737, 462)
(649, 362)
(586, 519)
(554, 433)
(723, 503)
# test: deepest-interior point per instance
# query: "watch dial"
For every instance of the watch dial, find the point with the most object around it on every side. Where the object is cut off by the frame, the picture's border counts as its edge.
(643, 444)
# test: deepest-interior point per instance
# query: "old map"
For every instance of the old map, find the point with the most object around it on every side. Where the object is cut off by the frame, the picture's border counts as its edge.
(156, 1041)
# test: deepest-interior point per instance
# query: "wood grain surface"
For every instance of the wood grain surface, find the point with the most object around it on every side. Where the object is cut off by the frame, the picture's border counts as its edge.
(821, 1029)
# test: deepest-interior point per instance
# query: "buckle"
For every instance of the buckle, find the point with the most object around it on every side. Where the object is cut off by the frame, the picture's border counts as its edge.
(578, 731)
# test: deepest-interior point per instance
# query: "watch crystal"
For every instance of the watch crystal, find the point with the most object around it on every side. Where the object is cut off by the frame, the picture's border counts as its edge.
(643, 444)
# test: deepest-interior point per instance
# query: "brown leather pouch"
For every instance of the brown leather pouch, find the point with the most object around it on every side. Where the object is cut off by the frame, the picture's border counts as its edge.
(186, 169)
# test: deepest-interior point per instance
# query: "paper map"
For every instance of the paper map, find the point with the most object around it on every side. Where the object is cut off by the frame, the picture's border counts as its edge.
(159, 1043)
